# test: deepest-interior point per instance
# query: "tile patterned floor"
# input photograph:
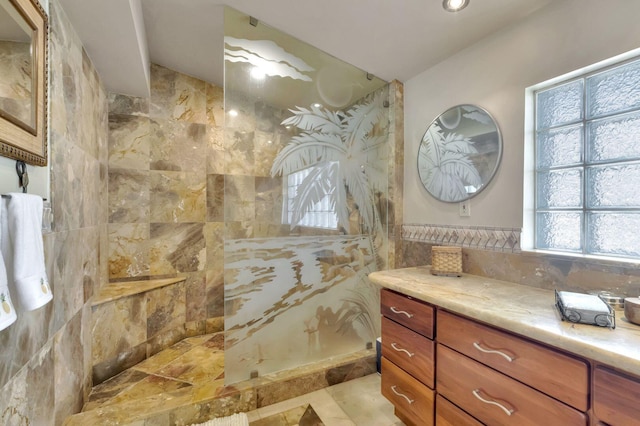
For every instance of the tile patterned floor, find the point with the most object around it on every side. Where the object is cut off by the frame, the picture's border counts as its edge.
(356, 402)
(184, 384)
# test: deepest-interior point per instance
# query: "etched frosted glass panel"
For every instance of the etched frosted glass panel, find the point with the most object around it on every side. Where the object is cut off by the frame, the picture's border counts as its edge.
(560, 189)
(613, 186)
(560, 105)
(559, 231)
(615, 90)
(559, 147)
(613, 234)
(614, 138)
(296, 295)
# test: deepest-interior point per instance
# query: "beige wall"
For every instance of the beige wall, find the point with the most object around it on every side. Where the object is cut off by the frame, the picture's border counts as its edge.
(562, 37)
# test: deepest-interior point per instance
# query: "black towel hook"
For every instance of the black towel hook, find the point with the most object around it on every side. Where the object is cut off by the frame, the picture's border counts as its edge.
(23, 176)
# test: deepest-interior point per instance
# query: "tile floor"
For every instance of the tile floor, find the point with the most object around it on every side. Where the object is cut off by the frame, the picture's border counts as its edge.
(356, 402)
(185, 383)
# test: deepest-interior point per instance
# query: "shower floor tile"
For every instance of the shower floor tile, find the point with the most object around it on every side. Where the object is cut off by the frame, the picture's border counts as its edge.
(185, 383)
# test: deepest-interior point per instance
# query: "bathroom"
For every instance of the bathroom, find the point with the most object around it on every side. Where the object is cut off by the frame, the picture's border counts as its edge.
(47, 356)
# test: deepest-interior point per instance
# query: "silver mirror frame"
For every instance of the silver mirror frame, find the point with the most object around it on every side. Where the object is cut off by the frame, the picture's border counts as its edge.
(457, 163)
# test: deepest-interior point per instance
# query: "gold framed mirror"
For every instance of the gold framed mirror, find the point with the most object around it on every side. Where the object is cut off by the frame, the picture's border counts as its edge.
(23, 81)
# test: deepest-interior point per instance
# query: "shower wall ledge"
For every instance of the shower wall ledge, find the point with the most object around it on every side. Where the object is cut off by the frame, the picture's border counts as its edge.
(119, 290)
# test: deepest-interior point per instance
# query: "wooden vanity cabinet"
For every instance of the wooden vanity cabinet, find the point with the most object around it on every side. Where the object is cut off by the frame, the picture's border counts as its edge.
(499, 378)
(449, 414)
(480, 374)
(413, 401)
(554, 373)
(408, 355)
(616, 397)
(495, 398)
(409, 312)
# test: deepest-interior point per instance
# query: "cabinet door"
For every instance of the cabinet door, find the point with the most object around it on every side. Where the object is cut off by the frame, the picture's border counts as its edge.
(447, 414)
(496, 399)
(412, 313)
(409, 350)
(616, 397)
(412, 399)
(554, 373)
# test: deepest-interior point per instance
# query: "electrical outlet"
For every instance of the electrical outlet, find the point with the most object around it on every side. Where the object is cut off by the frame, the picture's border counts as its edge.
(465, 208)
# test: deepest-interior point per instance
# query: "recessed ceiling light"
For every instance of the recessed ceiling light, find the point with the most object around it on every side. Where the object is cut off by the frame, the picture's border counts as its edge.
(233, 113)
(317, 105)
(454, 5)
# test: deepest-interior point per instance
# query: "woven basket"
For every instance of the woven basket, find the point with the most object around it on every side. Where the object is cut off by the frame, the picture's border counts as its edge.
(446, 261)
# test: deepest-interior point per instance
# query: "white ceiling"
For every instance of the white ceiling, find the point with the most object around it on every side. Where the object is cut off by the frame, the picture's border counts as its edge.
(392, 39)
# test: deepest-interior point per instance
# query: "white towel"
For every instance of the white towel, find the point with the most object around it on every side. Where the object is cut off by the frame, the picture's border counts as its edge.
(239, 419)
(24, 251)
(7, 312)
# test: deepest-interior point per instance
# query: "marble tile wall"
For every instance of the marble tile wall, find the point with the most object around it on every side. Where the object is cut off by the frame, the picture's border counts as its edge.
(396, 171)
(537, 270)
(166, 215)
(45, 357)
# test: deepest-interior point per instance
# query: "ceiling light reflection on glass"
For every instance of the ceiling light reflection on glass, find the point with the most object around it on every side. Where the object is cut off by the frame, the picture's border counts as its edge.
(454, 5)
(258, 73)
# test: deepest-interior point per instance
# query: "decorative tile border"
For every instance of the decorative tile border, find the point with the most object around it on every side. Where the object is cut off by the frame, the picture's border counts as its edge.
(477, 237)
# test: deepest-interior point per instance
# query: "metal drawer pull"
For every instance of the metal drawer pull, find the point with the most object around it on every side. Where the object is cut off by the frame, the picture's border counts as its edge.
(492, 351)
(507, 411)
(393, 345)
(409, 400)
(395, 311)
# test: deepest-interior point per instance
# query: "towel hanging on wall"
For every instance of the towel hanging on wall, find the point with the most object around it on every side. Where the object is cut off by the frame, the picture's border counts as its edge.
(7, 312)
(23, 251)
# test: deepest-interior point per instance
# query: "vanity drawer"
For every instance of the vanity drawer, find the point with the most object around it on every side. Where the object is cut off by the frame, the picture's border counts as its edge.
(616, 397)
(408, 311)
(496, 399)
(554, 373)
(448, 414)
(413, 352)
(414, 400)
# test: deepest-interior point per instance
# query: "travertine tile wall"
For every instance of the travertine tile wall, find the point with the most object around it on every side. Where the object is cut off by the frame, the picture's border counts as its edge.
(396, 172)
(45, 357)
(537, 270)
(165, 213)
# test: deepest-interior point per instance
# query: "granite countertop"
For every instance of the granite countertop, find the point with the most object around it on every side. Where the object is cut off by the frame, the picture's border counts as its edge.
(524, 310)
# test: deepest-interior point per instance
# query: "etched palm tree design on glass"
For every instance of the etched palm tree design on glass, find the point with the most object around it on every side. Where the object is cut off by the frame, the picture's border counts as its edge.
(344, 157)
(459, 153)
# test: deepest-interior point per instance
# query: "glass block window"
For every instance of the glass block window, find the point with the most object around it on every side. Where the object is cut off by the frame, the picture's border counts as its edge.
(322, 214)
(587, 142)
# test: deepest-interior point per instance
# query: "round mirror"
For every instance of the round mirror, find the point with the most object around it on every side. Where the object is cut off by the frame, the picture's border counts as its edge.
(459, 153)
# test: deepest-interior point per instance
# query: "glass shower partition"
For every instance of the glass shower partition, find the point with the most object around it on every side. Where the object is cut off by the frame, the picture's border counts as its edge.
(305, 201)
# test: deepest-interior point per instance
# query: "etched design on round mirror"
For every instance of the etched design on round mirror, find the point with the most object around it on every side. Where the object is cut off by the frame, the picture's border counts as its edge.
(459, 153)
